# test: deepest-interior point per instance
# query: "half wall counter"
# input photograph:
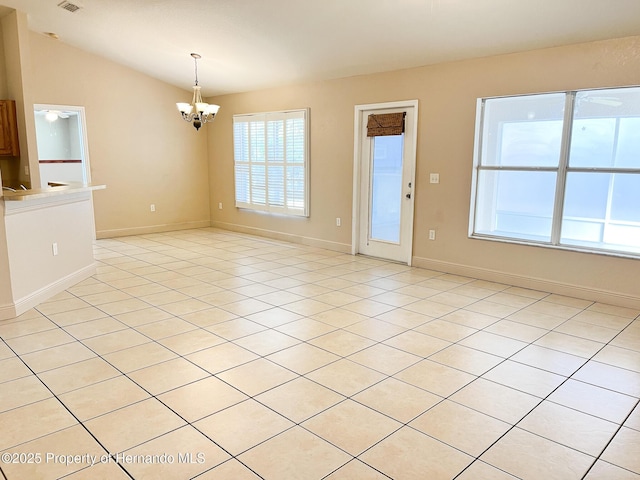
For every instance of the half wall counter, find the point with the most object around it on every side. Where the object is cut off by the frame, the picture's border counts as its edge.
(46, 244)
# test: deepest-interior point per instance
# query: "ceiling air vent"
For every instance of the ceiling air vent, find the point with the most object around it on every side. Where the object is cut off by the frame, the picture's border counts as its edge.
(69, 7)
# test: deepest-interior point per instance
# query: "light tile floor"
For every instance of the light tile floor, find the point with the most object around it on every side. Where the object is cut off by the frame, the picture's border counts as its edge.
(214, 355)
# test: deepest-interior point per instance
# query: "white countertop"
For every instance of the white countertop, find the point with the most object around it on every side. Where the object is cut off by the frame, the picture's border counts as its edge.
(36, 193)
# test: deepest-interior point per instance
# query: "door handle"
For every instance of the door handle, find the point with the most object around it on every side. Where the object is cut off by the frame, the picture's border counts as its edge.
(408, 195)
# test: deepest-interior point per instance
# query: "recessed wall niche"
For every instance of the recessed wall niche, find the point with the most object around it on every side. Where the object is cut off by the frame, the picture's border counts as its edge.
(61, 145)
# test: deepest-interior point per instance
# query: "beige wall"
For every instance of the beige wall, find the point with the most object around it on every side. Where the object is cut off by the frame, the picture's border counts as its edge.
(331, 159)
(447, 96)
(145, 154)
(138, 145)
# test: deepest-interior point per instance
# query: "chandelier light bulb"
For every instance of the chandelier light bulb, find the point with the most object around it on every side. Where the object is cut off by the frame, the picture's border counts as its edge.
(197, 112)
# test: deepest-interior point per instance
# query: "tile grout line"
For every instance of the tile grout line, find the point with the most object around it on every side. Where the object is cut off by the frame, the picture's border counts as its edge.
(546, 399)
(151, 395)
(406, 424)
(142, 387)
(214, 375)
(296, 423)
(621, 425)
(272, 328)
(55, 396)
(530, 342)
(514, 424)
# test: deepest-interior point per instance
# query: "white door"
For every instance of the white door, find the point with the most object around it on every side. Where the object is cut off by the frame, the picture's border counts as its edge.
(384, 177)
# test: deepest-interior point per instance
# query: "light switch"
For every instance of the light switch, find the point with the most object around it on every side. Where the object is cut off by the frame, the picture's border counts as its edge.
(434, 178)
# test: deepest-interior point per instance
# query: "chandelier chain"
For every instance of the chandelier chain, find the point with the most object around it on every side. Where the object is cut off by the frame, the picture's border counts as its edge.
(195, 60)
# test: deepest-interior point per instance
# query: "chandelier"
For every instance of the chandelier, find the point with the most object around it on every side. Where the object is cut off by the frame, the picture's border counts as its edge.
(197, 111)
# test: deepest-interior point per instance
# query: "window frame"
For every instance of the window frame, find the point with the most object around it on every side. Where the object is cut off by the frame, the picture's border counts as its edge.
(268, 207)
(562, 170)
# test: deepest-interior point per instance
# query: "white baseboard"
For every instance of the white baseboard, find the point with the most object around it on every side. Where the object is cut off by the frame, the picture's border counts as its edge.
(285, 237)
(35, 298)
(541, 284)
(169, 227)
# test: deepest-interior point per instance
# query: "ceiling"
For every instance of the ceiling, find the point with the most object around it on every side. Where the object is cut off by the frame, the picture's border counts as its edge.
(254, 44)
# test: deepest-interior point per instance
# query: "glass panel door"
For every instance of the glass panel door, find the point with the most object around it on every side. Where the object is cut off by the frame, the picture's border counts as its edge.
(386, 188)
(385, 169)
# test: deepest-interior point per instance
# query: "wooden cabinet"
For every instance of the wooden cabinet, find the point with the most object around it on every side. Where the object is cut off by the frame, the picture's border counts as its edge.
(9, 145)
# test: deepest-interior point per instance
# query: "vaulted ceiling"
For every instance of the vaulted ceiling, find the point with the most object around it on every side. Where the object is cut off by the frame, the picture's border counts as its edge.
(254, 44)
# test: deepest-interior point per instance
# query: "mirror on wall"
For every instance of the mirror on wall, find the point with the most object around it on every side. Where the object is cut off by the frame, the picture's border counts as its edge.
(63, 156)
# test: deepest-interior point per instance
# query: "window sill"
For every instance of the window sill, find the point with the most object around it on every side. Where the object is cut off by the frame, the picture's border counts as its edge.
(566, 248)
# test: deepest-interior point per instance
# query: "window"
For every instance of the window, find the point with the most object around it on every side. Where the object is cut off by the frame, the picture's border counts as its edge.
(272, 161)
(559, 169)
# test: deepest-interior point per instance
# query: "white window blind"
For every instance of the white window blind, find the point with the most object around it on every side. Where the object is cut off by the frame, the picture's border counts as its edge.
(272, 161)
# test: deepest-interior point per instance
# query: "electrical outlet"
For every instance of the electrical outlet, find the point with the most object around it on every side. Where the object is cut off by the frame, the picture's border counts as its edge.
(220, 206)
(338, 222)
(434, 178)
(54, 248)
(432, 234)
(152, 207)
(26, 170)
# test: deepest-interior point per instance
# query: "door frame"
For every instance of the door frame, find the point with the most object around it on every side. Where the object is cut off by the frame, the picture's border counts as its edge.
(82, 134)
(361, 114)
